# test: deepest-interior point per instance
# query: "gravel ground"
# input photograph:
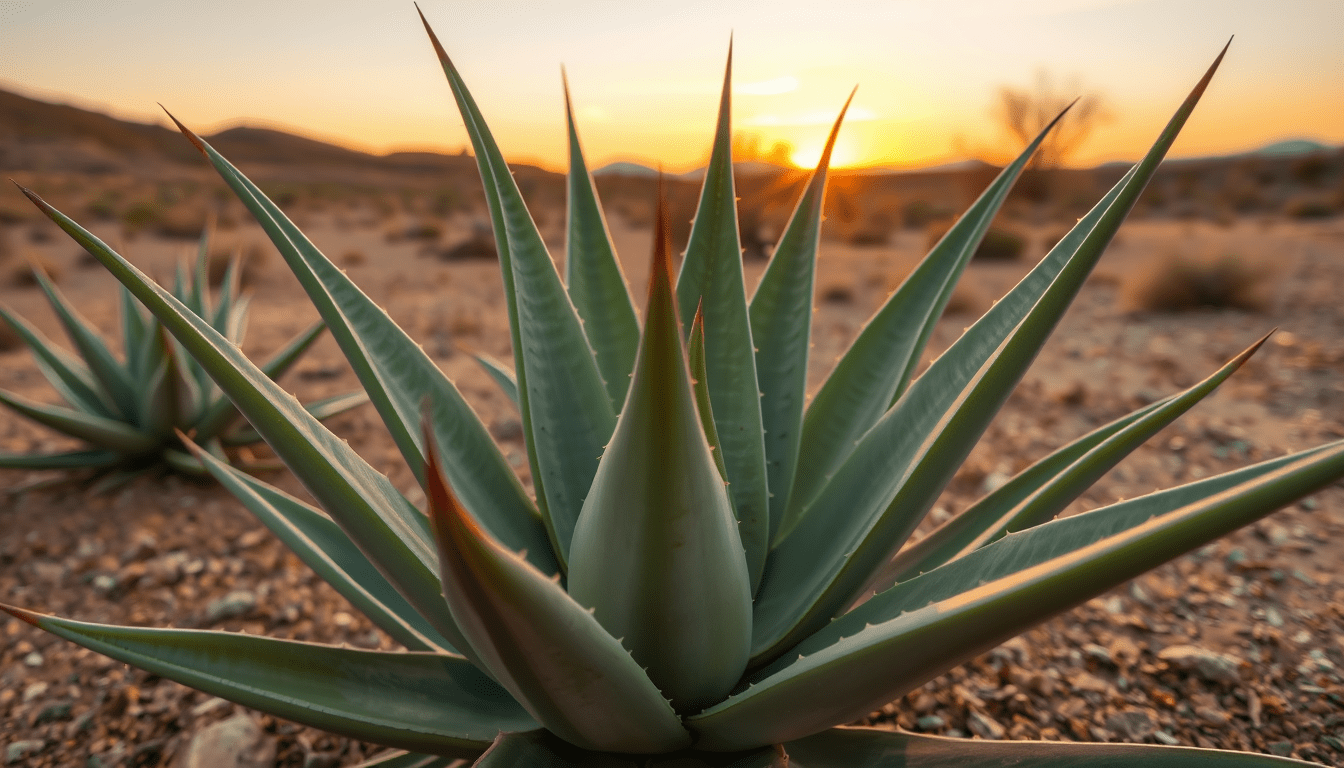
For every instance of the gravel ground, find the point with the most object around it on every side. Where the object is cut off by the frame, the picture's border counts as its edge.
(1237, 645)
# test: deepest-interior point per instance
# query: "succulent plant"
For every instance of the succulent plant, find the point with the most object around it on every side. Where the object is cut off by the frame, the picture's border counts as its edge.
(130, 410)
(710, 573)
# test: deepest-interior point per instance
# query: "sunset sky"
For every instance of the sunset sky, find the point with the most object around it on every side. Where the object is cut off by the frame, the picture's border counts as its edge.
(645, 76)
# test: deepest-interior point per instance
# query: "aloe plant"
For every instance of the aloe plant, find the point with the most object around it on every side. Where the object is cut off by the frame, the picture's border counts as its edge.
(687, 584)
(130, 410)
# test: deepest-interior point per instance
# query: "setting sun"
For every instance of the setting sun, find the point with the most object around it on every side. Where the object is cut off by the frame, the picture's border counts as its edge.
(844, 155)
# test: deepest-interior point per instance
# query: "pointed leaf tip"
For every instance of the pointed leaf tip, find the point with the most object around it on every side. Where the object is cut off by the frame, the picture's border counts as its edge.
(190, 134)
(434, 39)
(28, 617)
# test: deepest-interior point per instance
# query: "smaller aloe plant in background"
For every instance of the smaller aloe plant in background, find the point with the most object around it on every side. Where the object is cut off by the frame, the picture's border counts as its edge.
(131, 410)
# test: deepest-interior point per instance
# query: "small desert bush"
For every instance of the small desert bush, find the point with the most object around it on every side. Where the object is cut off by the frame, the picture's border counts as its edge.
(1308, 208)
(1182, 282)
(142, 214)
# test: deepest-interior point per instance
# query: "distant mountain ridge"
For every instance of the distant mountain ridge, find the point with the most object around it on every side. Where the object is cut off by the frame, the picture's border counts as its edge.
(38, 135)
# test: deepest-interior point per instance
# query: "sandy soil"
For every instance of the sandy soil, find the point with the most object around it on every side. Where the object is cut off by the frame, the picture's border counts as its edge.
(1264, 606)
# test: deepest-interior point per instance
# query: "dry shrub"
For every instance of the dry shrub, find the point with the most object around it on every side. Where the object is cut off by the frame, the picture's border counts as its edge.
(1310, 207)
(353, 259)
(480, 246)
(1181, 283)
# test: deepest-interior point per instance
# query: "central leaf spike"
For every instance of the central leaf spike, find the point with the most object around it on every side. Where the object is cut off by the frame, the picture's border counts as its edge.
(656, 552)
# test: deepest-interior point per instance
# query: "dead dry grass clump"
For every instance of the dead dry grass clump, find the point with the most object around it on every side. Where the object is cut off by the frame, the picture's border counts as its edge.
(1183, 282)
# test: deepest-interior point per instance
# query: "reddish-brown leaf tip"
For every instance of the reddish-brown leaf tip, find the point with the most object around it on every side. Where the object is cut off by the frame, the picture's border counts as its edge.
(191, 136)
(20, 614)
(434, 39)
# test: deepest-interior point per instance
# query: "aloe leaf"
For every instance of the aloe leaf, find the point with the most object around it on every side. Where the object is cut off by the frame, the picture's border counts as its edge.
(875, 500)
(566, 413)
(695, 357)
(392, 533)
(158, 397)
(109, 373)
(99, 430)
(593, 275)
(711, 277)
(403, 759)
(878, 366)
(230, 289)
(919, 629)
(427, 702)
(319, 409)
(67, 460)
(539, 749)
(397, 374)
(781, 329)
(324, 547)
(546, 649)
(221, 412)
(502, 376)
(872, 748)
(656, 552)
(68, 375)
(1044, 489)
(200, 274)
(134, 332)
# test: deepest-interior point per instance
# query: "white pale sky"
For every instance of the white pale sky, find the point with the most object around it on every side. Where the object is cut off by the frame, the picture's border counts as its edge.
(645, 75)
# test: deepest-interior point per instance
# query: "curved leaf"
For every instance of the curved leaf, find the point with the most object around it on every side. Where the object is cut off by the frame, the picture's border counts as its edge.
(875, 500)
(426, 702)
(876, 368)
(68, 375)
(781, 329)
(656, 552)
(69, 460)
(695, 357)
(546, 649)
(387, 528)
(872, 748)
(1044, 489)
(567, 415)
(321, 410)
(324, 547)
(921, 628)
(593, 274)
(502, 376)
(397, 374)
(101, 431)
(711, 278)
(110, 374)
